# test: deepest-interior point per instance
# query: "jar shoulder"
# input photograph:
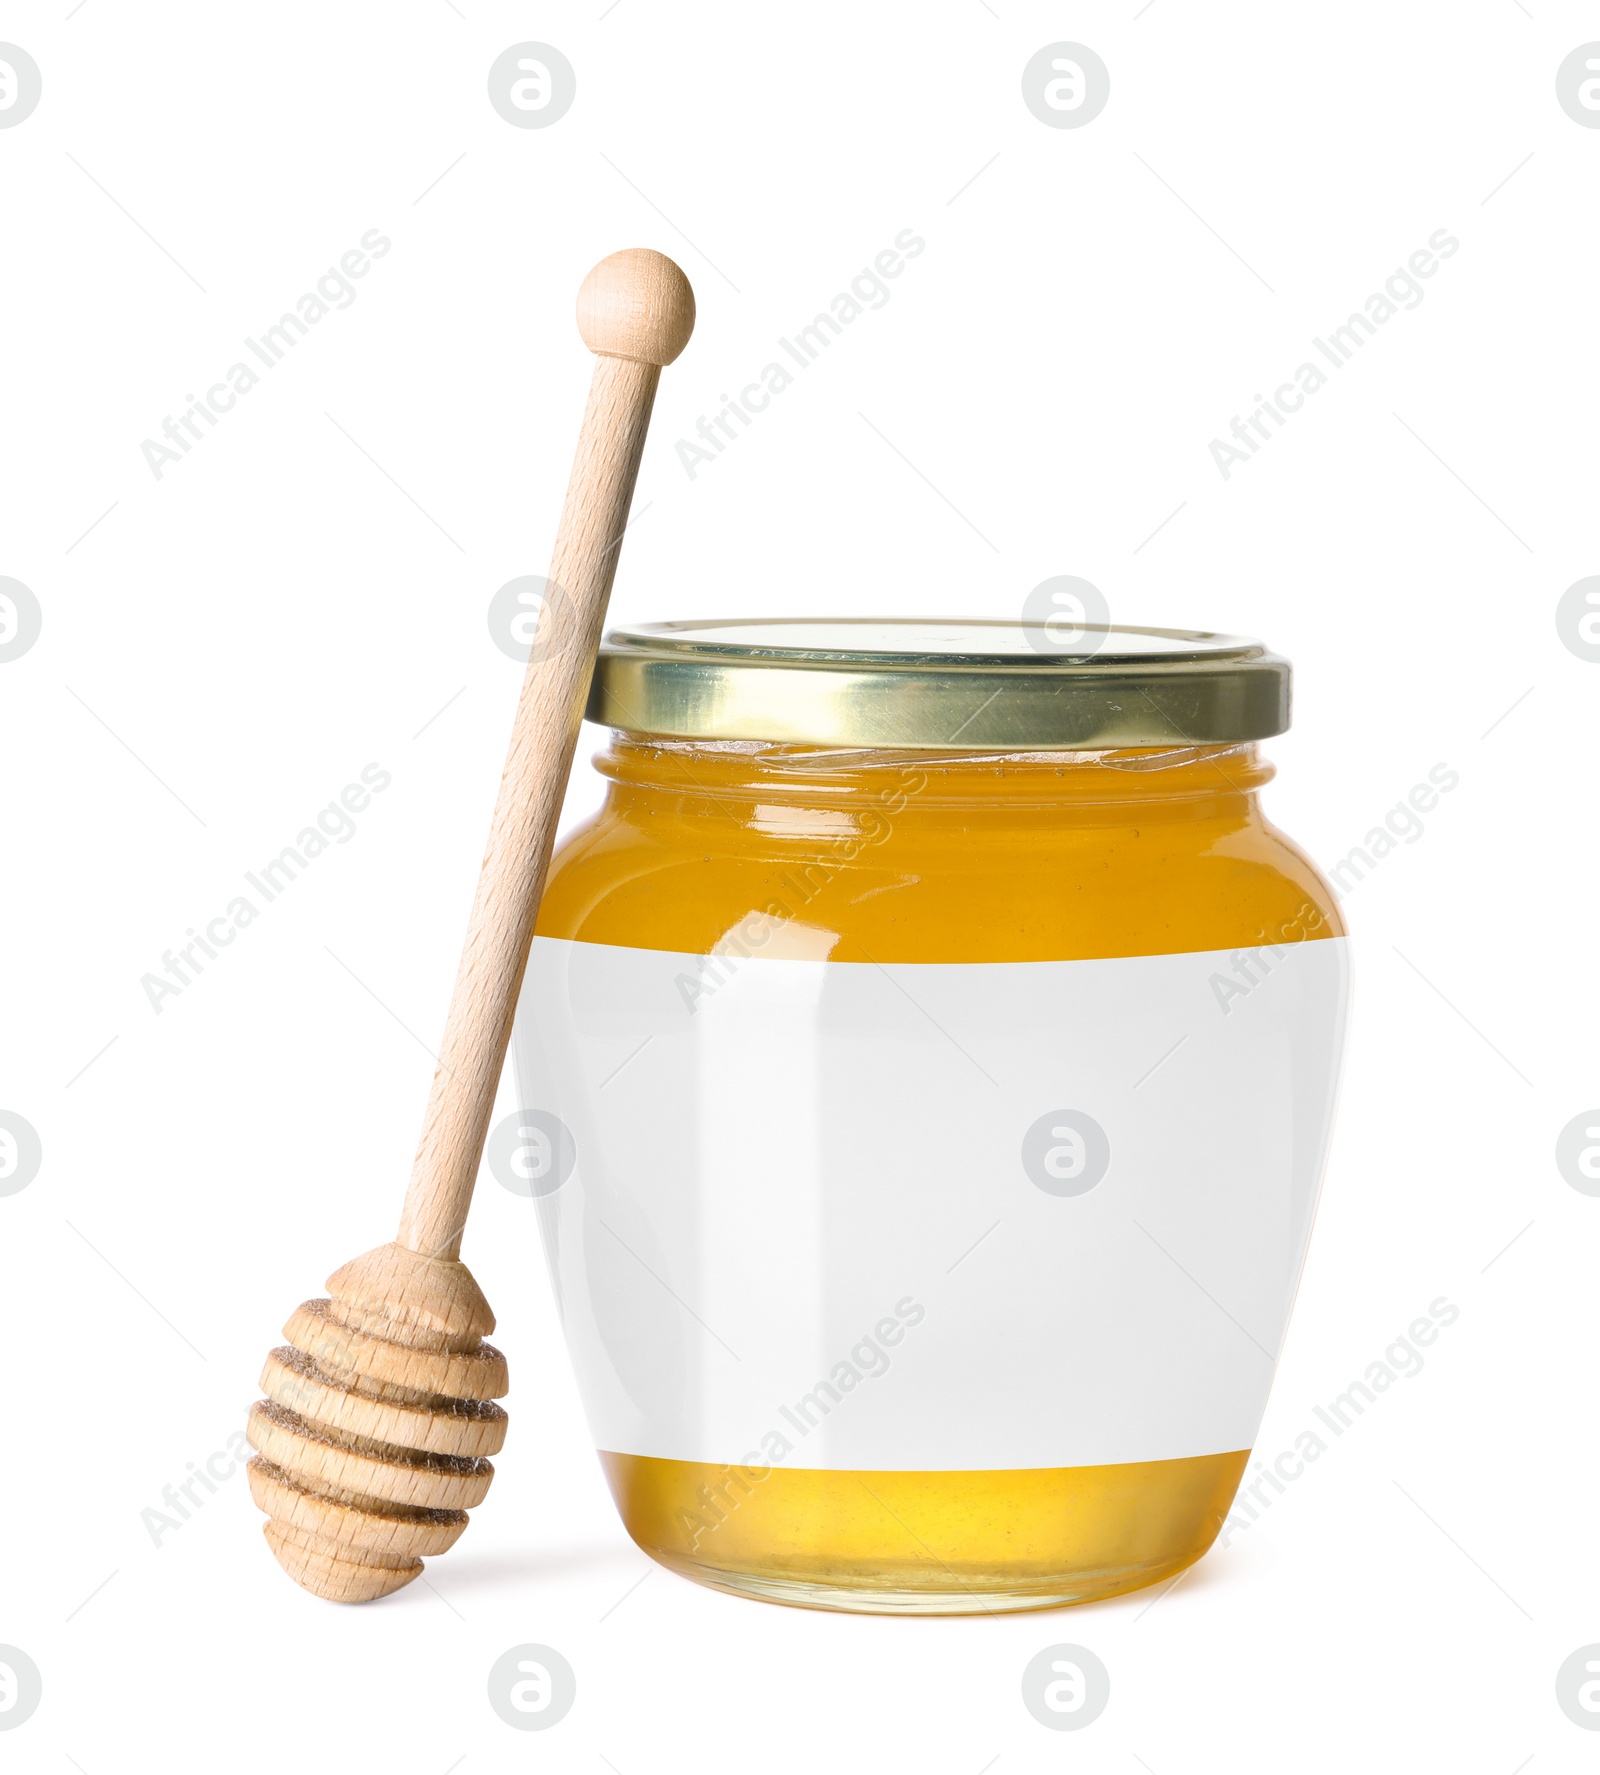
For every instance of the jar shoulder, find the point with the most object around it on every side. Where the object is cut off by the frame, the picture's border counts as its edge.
(912, 893)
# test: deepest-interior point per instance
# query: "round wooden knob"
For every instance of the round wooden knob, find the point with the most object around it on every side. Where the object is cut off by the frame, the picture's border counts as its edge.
(636, 304)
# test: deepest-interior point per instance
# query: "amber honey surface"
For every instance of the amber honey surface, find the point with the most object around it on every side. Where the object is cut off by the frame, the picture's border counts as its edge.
(912, 857)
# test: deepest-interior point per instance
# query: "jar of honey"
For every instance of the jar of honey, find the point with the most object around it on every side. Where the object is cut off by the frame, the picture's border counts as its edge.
(926, 1072)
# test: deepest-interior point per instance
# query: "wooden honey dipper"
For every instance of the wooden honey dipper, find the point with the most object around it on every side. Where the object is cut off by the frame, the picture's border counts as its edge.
(379, 1416)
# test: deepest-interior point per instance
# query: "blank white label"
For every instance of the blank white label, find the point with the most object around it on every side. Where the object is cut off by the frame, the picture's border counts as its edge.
(930, 1216)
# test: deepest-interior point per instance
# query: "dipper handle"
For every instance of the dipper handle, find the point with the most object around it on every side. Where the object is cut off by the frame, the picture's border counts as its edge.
(636, 312)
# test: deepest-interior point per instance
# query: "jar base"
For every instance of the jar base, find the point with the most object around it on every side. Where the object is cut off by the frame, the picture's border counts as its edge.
(859, 1598)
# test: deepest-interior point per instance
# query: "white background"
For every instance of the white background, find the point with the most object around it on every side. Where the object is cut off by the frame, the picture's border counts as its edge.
(226, 647)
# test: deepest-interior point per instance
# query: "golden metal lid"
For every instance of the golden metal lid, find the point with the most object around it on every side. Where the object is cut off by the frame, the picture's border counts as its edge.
(963, 683)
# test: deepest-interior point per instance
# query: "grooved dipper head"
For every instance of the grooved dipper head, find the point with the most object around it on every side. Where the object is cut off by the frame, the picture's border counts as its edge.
(372, 1441)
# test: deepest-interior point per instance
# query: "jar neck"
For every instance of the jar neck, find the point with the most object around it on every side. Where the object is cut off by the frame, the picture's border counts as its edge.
(1173, 782)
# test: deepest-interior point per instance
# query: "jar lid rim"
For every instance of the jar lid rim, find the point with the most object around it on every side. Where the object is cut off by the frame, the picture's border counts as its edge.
(968, 683)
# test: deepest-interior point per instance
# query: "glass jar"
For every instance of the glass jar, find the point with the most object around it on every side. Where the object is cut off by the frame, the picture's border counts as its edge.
(926, 1065)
